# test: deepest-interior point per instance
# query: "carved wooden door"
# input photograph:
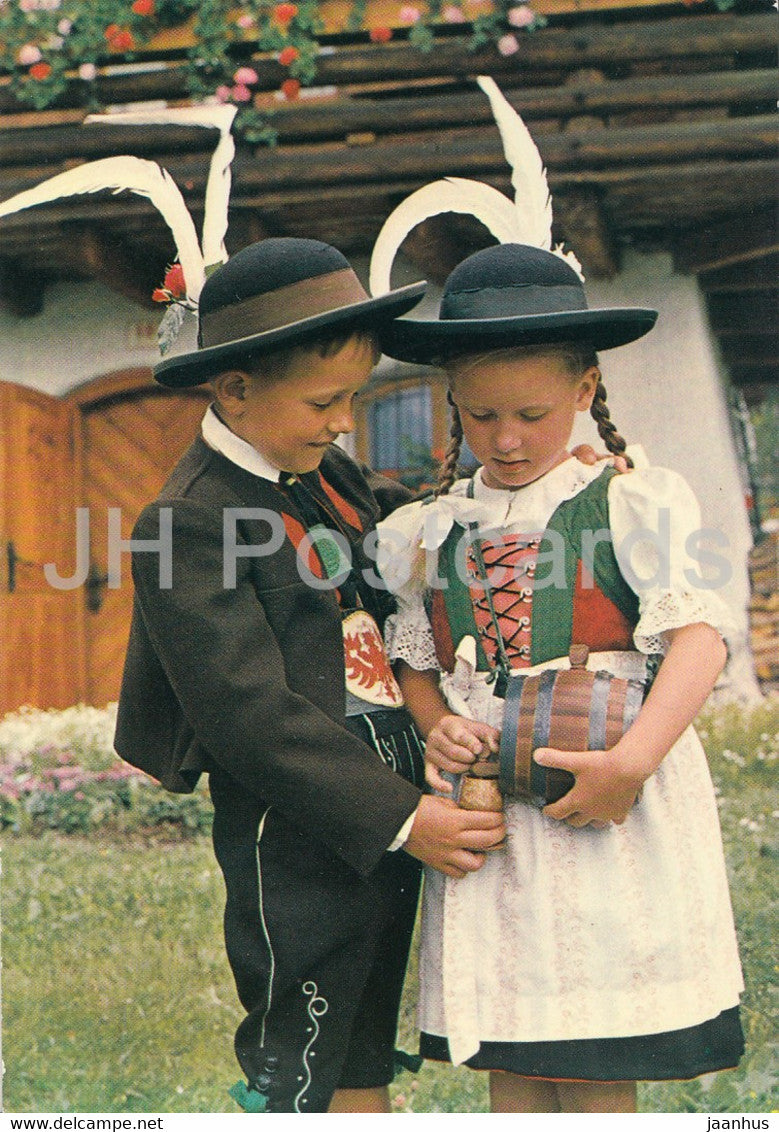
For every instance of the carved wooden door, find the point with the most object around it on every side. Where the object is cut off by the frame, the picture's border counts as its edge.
(41, 656)
(130, 439)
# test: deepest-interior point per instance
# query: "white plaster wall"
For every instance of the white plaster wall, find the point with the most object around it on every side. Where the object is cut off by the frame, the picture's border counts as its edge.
(84, 331)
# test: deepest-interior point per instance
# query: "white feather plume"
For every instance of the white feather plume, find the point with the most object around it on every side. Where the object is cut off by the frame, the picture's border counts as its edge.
(454, 194)
(526, 220)
(217, 198)
(135, 175)
(532, 199)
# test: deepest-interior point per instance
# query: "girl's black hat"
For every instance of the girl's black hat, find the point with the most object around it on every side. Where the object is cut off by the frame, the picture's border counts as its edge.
(278, 292)
(512, 295)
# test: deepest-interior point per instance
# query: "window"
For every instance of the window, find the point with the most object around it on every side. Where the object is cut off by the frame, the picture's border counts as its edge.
(400, 433)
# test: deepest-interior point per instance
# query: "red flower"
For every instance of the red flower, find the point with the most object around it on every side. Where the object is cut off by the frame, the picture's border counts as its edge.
(143, 7)
(380, 35)
(174, 281)
(159, 295)
(288, 55)
(290, 88)
(119, 39)
(285, 13)
(40, 71)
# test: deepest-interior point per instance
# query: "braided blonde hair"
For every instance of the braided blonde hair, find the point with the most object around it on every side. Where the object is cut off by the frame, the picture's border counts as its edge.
(447, 473)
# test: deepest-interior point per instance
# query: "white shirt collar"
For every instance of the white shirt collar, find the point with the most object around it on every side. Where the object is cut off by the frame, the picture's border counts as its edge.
(219, 437)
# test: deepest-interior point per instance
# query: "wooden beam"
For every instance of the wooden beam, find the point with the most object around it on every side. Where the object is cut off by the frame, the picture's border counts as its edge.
(112, 263)
(339, 117)
(470, 152)
(747, 235)
(735, 313)
(21, 289)
(746, 278)
(580, 216)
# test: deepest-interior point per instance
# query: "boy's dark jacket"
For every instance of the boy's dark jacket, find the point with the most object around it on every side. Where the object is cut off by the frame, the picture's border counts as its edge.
(252, 678)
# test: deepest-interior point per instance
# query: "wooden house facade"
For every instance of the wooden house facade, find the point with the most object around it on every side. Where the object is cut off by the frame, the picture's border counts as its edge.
(656, 122)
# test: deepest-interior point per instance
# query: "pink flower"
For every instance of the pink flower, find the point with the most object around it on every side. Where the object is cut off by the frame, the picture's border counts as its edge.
(245, 76)
(28, 5)
(79, 795)
(451, 14)
(408, 14)
(521, 17)
(245, 21)
(29, 54)
(222, 94)
(508, 44)
(64, 27)
(87, 72)
(241, 94)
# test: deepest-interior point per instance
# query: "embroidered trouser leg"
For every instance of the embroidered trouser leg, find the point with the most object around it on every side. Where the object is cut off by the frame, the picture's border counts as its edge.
(318, 955)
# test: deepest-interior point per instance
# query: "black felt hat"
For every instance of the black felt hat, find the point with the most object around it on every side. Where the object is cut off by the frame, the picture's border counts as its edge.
(512, 295)
(278, 292)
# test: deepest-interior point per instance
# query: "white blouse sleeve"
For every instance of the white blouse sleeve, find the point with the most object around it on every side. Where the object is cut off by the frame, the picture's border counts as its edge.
(400, 560)
(665, 556)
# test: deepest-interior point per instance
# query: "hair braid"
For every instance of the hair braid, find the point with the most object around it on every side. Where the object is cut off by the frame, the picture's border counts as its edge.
(606, 428)
(447, 473)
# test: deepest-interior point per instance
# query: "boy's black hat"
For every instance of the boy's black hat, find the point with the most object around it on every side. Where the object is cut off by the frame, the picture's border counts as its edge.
(512, 295)
(278, 292)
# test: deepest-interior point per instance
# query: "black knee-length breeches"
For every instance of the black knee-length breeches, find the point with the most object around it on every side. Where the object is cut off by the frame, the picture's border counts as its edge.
(318, 953)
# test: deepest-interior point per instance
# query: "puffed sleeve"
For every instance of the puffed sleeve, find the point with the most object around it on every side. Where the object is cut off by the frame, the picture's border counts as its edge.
(401, 563)
(674, 566)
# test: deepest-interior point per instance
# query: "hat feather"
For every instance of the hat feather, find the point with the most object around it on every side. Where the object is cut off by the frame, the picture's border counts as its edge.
(134, 175)
(453, 194)
(526, 220)
(218, 185)
(532, 199)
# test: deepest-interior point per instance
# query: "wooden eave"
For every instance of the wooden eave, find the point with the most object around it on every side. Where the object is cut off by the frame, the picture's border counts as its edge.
(657, 126)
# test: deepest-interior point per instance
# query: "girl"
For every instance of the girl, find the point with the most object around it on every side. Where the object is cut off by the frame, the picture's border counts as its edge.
(597, 948)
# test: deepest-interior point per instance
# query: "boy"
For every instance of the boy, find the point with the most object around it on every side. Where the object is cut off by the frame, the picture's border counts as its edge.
(259, 660)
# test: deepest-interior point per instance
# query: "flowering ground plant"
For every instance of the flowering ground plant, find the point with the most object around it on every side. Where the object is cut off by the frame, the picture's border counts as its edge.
(58, 770)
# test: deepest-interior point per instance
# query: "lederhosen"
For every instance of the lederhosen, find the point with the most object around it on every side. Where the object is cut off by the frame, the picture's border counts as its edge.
(320, 976)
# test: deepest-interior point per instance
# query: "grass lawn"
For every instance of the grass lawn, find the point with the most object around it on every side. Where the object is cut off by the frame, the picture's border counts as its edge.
(117, 996)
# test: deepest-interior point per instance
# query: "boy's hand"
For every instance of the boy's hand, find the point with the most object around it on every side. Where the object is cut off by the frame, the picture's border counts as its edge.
(586, 454)
(605, 790)
(452, 840)
(453, 744)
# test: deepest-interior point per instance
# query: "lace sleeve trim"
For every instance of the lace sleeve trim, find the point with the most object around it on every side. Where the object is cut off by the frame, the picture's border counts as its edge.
(409, 637)
(673, 609)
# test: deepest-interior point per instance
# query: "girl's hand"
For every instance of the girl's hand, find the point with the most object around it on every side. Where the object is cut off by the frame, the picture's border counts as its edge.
(605, 790)
(453, 744)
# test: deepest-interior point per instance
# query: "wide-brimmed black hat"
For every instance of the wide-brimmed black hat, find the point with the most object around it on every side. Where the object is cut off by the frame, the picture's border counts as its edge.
(278, 292)
(512, 295)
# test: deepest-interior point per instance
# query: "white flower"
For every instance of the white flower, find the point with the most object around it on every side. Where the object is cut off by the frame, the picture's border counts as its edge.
(29, 54)
(508, 45)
